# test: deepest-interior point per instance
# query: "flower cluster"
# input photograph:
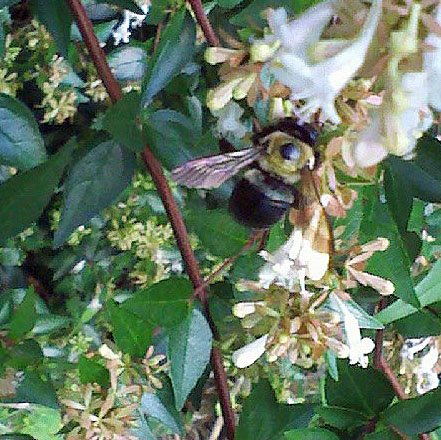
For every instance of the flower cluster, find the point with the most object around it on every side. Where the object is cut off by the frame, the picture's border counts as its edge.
(122, 32)
(365, 68)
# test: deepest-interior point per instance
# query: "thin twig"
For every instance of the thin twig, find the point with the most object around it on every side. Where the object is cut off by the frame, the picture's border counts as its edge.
(255, 236)
(204, 23)
(179, 229)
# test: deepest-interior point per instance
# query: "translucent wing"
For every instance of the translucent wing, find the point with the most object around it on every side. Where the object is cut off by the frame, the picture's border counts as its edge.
(211, 171)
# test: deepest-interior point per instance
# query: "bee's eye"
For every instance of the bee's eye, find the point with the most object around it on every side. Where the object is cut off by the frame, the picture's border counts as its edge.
(290, 152)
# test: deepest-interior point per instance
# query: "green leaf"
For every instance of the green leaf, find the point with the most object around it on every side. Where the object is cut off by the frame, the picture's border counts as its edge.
(93, 184)
(42, 423)
(93, 372)
(310, 434)
(24, 317)
(263, 418)
(124, 4)
(163, 304)
(392, 264)
(354, 389)
(384, 434)
(25, 195)
(428, 292)
(121, 121)
(174, 51)
(49, 323)
(229, 4)
(21, 144)
(128, 63)
(416, 416)
(189, 350)
(423, 174)
(26, 353)
(56, 17)
(174, 138)
(132, 334)
(161, 406)
(35, 389)
(341, 418)
(218, 232)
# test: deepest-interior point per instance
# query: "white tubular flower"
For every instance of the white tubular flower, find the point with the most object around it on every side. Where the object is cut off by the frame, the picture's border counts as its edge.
(432, 64)
(408, 116)
(130, 20)
(318, 84)
(359, 347)
(248, 354)
(228, 122)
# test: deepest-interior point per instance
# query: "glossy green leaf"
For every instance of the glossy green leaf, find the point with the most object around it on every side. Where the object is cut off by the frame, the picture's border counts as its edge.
(416, 416)
(28, 352)
(93, 372)
(189, 350)
(174, 51)
(34, 388)
(25, 195)
(341, 418)
(49, 323)
(160, 405)
(310, 434)
(428, 292)
(24, 317)
(163, 304)
(93, 184)
(21, 144)
(218, 232)
(393, 263)
(354, 389)
(174, 138)
(122, 122)
(130, 5)
(56, 17)
(263, 418)
(132, 334)
(128, 63)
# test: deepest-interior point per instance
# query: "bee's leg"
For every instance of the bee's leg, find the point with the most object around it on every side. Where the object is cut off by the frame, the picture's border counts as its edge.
(256, 236)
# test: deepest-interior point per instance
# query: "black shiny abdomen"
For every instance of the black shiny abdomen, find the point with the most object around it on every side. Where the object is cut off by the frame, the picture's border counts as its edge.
(252, 207)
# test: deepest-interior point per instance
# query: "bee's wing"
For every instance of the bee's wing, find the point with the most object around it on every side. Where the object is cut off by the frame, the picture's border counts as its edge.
(211, 171)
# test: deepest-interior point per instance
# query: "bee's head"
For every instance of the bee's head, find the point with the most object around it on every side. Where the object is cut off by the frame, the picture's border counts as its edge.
(286, 156)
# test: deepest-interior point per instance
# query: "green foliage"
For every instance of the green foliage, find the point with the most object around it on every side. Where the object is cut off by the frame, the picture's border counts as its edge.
(25, 195)
(263, 418)
(310, 434)
(94, 182)
(189, 348)
(21, 144)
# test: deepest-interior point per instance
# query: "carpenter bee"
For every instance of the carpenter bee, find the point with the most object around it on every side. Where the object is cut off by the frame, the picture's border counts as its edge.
(279, 176)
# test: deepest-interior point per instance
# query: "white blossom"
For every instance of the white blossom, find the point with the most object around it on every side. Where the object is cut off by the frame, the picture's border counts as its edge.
(130, 21)
(248, 354)
(359, 347)
(228, 120)
(318, 84)
(432, 64)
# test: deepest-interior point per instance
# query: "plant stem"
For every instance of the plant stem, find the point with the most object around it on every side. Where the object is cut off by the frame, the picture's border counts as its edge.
(191, 265)
(204, 23)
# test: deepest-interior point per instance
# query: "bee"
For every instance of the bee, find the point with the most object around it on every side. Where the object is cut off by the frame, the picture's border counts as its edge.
(279, 175)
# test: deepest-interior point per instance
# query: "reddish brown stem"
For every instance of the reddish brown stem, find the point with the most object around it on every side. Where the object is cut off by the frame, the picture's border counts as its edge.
(204, 23)
(179, 229)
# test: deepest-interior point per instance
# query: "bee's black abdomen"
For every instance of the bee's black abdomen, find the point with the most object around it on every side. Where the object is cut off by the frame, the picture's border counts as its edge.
(252, 207)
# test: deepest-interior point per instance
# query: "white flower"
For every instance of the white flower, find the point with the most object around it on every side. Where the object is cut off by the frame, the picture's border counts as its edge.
(228, 122)
(130, 20)
(318, 84)
(405, 121)
(359, 347)
(78, 267)
(432, 64)
(248, 354)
